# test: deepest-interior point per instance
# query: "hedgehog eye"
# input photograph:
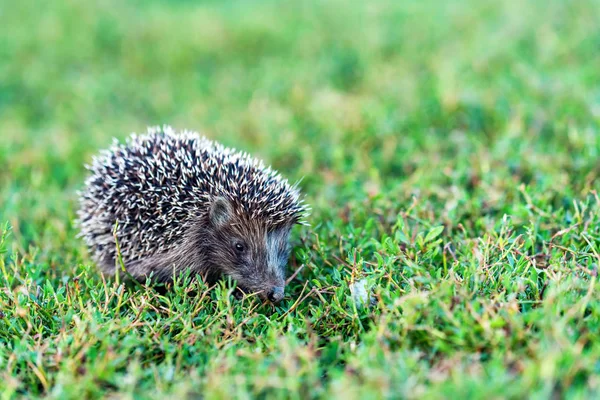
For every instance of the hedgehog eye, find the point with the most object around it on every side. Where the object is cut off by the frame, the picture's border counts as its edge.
(239, 247)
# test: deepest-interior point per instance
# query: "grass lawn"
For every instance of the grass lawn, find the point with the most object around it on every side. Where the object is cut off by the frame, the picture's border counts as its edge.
(450, 152)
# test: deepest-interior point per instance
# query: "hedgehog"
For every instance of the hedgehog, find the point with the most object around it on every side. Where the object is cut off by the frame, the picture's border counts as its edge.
(165, 202)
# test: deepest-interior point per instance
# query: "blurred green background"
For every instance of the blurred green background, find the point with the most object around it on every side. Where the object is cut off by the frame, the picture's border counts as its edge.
(398, 116)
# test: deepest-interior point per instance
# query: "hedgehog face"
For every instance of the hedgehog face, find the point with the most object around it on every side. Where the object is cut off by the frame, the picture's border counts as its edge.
(252, 253)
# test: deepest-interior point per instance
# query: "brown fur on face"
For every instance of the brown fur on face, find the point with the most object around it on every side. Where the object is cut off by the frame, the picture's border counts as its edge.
(247, 250)
(227, 243)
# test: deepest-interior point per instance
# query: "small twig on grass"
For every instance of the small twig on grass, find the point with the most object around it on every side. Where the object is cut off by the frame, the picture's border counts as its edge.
(291, 278)
(298, 300)
(245, 321)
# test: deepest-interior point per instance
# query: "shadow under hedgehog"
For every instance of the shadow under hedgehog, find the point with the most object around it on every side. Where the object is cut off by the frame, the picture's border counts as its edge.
(177, 201)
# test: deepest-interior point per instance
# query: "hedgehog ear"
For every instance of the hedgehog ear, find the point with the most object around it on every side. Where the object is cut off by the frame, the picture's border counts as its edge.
(220, 211)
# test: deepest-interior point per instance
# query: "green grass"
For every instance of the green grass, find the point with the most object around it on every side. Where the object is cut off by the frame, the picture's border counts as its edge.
(450, 152)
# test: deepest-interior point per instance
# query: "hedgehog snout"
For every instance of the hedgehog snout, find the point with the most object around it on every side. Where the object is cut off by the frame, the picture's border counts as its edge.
(273, 289)
(275, 294)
